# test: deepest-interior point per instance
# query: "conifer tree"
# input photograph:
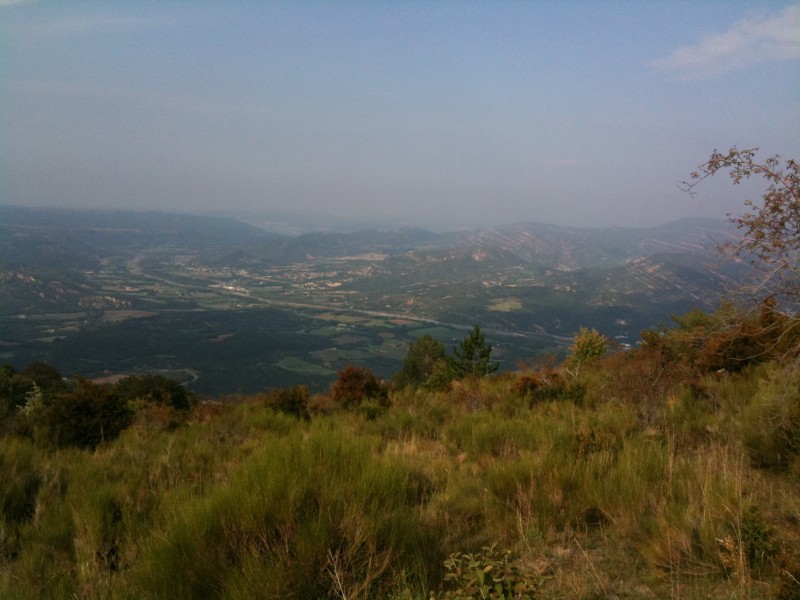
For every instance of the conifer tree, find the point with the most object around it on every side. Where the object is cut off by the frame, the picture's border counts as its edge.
(473, 356)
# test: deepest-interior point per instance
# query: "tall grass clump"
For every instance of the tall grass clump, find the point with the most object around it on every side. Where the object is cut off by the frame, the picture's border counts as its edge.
(684, 512)
(771, 422)
(299, 519)
(20, 483)
(413, 413)
(43, 565)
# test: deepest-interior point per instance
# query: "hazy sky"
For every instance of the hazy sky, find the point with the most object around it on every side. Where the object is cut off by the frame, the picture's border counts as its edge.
(428, 113)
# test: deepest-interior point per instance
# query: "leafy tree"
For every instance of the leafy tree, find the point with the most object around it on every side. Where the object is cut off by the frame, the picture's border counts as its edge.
(420, 362)
(16, 385)
(24, 394)
(44, 375)
(86, 415)
(155, 389)
(356, 385)
(588, 344)
(473, 356)
(10, 395)
(771, 227)
(293, 400)
(441, 376)
(34, 403)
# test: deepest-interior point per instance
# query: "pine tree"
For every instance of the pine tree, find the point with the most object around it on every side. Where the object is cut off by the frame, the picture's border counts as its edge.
(473, 356)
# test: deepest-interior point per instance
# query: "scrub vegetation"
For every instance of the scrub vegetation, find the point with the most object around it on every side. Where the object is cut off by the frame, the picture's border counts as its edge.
(671, 470)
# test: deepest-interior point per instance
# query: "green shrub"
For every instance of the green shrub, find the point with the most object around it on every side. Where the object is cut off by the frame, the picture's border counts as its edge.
(20, 484)
(588, 345)
(20, 480)
(44, 566)
(413, 413)
(292, 401)
(85, 416)
(371, 409)
(757, 538)
(550, 385)
(154, 389)
(258, 417)
(487, 433)
(771, 422)
(487, 574)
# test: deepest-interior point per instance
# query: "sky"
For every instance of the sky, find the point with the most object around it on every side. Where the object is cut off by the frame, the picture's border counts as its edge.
(439, 114)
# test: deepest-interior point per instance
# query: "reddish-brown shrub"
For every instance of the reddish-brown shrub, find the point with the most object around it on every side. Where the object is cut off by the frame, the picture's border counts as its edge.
(357, 384)
(549, 384)
(644, 377)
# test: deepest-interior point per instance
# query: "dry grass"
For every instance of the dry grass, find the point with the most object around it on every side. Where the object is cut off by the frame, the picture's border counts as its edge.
(639, 489)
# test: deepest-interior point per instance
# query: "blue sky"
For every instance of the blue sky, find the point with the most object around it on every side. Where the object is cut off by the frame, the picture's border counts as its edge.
(439, 114)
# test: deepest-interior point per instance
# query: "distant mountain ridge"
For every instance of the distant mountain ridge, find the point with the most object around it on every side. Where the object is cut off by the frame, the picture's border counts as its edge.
(101, 229)
(572, 247)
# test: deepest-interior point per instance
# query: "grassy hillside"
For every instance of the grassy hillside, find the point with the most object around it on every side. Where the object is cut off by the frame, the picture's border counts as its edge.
(668, 471)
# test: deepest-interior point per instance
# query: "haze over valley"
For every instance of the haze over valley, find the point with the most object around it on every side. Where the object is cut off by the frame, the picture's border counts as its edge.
(224, 306)
(395, 162)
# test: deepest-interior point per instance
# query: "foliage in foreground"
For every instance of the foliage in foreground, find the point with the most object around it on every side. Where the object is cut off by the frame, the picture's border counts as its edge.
(672, 470)
(770, 229)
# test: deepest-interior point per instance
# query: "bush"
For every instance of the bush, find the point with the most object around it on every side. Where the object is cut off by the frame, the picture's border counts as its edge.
(730, 339)
(757, 538)
(588, 345)
(292, 401)
(771, 423)
(20, 483)
(85, 416)
(357, 384)
(549, 385)
(644, 377)
(487, 574)
(154, 389)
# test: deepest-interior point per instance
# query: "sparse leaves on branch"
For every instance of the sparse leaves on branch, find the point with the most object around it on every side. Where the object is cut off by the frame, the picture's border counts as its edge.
(770, 227)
